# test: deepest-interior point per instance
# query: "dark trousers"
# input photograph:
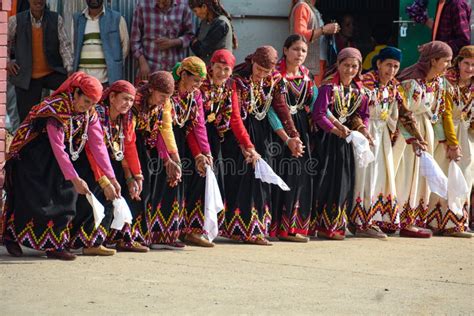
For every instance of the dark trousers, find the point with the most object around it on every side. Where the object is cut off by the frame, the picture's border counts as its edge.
(26, 99)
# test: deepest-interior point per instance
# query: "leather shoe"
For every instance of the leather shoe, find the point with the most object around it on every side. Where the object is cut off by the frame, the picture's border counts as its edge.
(61, 255)
(13, 248)
(131, 247)
(98, 251)
(419, 233)
(198, 240)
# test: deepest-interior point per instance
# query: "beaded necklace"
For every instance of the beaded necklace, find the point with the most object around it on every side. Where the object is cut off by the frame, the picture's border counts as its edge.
(299, 90)
(266, 100)
(182, 110)
(116, 147)
(215, 98)
(430, 89)
(75, 153)
(342, 102)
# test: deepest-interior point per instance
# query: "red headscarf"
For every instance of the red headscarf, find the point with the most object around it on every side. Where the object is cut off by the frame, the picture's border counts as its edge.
(118, 87)
(428, 51)
(89, 85)
(223, 56)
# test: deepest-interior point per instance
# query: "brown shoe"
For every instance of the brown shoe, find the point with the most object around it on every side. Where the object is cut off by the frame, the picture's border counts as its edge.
(294, 238)
(458, 234)
(61, 255)
(260, 242)
(13, 248)
(98, 251)
(131, 247)
(198, 240)
(371, 232)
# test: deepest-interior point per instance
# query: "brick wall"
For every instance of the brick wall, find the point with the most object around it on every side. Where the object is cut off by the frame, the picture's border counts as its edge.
(5, 5)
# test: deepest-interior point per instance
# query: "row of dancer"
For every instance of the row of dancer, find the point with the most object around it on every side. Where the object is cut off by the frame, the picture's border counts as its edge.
(151, 144)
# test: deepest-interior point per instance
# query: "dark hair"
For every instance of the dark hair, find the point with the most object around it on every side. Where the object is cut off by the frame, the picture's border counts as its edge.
(290, 40)
(217, 9)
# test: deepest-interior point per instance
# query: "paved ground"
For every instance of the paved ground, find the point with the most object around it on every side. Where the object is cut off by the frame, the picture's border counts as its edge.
(356, 276)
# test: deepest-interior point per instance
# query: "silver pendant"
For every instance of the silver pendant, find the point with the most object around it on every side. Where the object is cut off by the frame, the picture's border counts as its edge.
(342, 119)
(434, 118)
(119, 155)
(74, 156)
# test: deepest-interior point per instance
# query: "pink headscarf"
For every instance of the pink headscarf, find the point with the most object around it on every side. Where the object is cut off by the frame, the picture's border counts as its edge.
(428, 51)
(118, 87)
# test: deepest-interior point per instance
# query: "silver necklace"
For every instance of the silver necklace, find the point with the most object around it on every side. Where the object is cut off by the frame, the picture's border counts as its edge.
(75, 153)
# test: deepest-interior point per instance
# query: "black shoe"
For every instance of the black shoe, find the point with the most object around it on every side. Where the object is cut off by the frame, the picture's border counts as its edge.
(13, 248)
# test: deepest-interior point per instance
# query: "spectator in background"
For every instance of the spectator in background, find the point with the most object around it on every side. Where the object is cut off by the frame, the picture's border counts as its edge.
(161, 32)
(451, 24)
(381, 38)
(215, 31)
(13, 120)
(306, 21)
(345, 37)
(100, 38)
(36, 65)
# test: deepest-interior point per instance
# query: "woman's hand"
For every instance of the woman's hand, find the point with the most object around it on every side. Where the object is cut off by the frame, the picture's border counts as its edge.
(453, 152)
(110, 192)
(80, 186)
(251, 156)
(296, 146)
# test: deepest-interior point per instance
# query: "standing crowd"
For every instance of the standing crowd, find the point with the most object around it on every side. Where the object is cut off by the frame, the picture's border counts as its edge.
(364, 152)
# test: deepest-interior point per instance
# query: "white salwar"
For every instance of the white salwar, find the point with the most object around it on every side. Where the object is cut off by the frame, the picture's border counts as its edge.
(412, 188)
(441, 218)
(375, 200)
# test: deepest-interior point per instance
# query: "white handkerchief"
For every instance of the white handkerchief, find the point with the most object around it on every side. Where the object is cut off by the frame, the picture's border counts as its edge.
(122, 214)
(212, 204)
(266, 174)
(362, 153)
(437, 180)
(458, 189)
(97, 209)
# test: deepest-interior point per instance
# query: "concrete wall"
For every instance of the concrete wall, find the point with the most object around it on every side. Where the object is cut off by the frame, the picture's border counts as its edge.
(262, 22)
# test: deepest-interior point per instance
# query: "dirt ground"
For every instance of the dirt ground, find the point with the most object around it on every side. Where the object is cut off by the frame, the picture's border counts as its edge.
(355, 276)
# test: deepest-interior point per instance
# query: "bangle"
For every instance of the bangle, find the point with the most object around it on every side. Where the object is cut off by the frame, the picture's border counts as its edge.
(103, 182)
(130, 179)
(138, 177)
(287, 141)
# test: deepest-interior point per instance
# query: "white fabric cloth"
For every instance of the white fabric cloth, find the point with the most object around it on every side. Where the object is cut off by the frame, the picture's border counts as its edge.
(212, 204)
(457, 189)
(437, 180)
(266, 174)
(362, 153)
(122, 214)
(97, 209)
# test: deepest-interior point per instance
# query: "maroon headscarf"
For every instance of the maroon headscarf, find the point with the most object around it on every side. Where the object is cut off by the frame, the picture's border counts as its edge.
(162, 81)
(428, 51)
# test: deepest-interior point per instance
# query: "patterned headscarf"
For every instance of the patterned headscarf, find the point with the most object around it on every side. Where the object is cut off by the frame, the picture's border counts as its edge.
(162, 81)
(192, 64)
(428, 51)
(265, 56)
(89, 85)
(118, 87)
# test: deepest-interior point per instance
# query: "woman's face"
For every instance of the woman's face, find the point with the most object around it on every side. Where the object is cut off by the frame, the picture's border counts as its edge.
(82, 103)
(259, 73)
(348, 68)
(191, 82)
(440, 65)
(296, 53)
(221, 72)
(466, 68)
(121, 102)
(201, 12)
(158, 98)
(388, 68)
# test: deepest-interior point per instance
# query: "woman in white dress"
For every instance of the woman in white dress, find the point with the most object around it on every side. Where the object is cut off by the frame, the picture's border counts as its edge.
(375, 201)
(461, 90)
(425, 89)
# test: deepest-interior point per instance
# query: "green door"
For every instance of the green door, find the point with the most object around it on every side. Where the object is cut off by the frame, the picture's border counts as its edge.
(411, 35)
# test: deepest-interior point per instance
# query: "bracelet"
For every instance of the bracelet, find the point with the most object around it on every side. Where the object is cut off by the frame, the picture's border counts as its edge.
(138, 177)
(130, 179)
(103, 182)
(287, 141)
